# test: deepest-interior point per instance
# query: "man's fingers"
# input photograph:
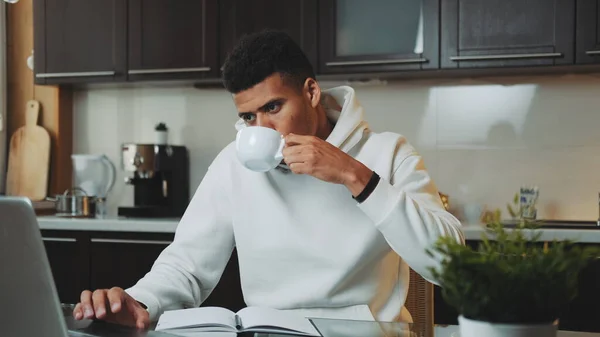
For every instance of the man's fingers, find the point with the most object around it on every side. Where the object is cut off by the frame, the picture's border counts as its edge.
(139, 314)
(300, 168)
(78, 311)
(86, 304)
(99, 299)
(294, 150)
(141, 318)
(115, 299)
(293, 139)
(300, 158)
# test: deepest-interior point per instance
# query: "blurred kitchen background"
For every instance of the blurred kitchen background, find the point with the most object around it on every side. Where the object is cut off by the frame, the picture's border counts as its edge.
(483, 135)
(494, 94)
(481, 138)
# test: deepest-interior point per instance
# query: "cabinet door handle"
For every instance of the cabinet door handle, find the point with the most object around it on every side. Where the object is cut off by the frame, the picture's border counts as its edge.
(504, 57)
(593, 52)
(166, 71)
(49, 239)
(138, 242)
(76, 74)
(375, 62)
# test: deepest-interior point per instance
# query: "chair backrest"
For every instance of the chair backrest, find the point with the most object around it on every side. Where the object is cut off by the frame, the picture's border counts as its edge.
(419, 302)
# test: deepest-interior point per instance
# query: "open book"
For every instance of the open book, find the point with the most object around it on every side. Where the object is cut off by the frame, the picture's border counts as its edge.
(251, 319)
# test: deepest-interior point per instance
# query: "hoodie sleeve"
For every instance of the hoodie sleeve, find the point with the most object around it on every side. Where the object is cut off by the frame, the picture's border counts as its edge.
(409, 213)
(187, 271)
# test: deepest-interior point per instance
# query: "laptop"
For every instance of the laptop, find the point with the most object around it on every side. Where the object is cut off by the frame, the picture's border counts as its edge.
(28, 296)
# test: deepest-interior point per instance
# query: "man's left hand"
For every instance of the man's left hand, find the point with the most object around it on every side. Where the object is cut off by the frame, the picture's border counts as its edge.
(320, 159)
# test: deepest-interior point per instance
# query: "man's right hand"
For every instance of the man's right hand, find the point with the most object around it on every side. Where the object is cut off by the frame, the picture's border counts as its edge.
(112, 305)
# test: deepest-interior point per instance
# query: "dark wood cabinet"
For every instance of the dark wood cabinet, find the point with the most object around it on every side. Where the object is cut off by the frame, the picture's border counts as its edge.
(67, 255)
(79, 41)
(507, 33)
(83, 260)
(228, 292)
(583, 311)
(588, 32)
(378, 36)
(118, 259)
(153, 40)
(296, 17)
(172, 39)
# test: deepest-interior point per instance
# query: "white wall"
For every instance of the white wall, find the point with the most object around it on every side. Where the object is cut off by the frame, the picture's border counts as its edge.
(481, 138)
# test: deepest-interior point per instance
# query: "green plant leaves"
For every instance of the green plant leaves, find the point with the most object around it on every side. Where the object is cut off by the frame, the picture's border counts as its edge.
(510, 277)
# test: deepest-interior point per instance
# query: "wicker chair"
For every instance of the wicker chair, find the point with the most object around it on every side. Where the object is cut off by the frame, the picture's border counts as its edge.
(419, 302)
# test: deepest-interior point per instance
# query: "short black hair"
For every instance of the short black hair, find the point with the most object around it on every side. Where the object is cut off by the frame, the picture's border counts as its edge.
(257, 56)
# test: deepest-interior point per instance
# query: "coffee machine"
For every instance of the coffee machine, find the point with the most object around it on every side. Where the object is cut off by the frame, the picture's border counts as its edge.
(160, 179)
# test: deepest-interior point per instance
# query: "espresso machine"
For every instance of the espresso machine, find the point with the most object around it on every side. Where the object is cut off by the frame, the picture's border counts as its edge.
(159, 175)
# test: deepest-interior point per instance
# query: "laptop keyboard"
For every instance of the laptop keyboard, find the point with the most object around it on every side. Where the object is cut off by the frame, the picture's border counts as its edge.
(73, 333)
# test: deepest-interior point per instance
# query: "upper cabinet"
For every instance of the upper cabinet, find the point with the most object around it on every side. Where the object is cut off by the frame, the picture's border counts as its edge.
(79, 41)
(507, 33)
(588, 31)
(172, 39)
(138, 40)
(296, 17)
(378, 35)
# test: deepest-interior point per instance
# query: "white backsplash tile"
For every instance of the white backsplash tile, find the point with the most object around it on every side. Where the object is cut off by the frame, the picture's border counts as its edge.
(567, 178)
(480, 138)
(537, 112)
(408, 109)
(482, 116)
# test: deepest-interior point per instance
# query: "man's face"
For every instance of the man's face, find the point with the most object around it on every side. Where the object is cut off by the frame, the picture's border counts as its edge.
(275, 104)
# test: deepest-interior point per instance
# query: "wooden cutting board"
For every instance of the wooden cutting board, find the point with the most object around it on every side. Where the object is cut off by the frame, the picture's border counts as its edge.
(29, 158)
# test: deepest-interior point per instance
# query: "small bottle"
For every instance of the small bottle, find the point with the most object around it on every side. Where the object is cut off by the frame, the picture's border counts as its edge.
(101, 208)
(528, 197)
(161, 134)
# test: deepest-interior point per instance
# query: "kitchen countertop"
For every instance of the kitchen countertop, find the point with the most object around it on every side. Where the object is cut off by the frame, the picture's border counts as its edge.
(474, 232)
(162, 225)
(143, 225)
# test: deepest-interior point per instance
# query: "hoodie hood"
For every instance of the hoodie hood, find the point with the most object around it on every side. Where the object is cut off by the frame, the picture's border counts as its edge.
(347, 117)
(345, 112)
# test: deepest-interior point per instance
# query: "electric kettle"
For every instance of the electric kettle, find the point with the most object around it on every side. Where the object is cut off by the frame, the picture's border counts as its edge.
(94, 174)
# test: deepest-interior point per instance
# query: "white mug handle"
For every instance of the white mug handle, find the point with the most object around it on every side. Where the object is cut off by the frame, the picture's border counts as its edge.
(111, 174)
(279, 154)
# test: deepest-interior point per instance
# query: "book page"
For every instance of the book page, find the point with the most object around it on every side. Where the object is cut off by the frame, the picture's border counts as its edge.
(273, 320)
(197, 317)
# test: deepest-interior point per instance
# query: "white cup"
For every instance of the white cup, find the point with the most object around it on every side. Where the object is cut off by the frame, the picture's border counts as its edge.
(472, 213)
(259, 148)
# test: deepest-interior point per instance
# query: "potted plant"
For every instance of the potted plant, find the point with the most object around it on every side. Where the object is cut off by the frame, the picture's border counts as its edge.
(511, 284)
(161, 132)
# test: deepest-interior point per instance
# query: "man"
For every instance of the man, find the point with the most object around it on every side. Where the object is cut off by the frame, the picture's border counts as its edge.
(330, 233)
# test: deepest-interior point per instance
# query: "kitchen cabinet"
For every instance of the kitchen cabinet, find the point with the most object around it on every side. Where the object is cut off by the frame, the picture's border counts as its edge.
(82, 260)
(378, 35)
(153, 40)
(172, 39)
(67, 255)
(122, 259)
(507, 33)
(296, 17)
(588, 32)
(583, 311)
(79, 41)
(228, 292)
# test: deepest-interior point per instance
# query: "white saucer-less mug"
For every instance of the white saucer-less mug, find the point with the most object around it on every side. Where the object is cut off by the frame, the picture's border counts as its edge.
(259, 148)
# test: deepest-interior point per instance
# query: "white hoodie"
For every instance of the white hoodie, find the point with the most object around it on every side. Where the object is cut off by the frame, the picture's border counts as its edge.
(304, 244)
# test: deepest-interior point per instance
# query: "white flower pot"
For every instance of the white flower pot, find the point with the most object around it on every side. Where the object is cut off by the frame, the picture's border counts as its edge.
(472, 328)
(161, 137)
